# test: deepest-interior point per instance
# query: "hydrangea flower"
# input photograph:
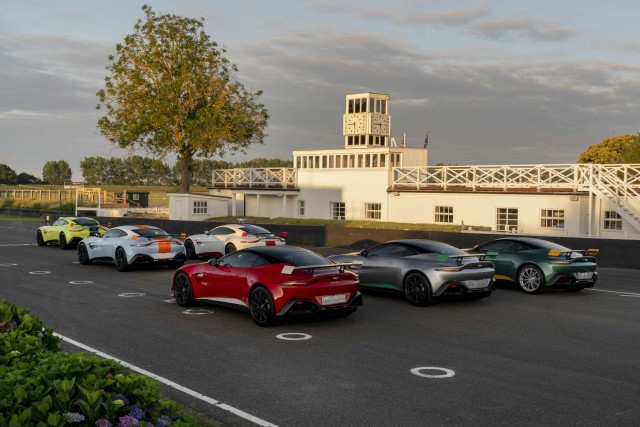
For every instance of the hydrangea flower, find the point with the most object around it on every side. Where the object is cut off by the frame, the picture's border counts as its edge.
(73, 417)
(103, 423)
(122, 397)
(164, 421)
(128, 421)
(137, 412)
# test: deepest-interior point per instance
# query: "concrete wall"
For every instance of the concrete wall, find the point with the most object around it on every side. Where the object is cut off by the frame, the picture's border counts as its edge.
(613, 253)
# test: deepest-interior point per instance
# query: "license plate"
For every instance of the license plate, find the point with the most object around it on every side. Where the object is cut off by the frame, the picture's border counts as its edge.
(334, 299)
(270, 243)
(480, 283)
(582, 276)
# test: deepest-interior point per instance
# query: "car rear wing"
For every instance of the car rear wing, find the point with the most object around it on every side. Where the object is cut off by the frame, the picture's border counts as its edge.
(289, 269)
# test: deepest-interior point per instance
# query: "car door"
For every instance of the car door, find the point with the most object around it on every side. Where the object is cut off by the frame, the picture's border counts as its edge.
(53, 232)
(502, 254)
(381, 265)
(105, 246)
(226, 280)
(214, 241)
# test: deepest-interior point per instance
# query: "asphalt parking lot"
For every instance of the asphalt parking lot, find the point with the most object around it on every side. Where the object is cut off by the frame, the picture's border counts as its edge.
(511, 359)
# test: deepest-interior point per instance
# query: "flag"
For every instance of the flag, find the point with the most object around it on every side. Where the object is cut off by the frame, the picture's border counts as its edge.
(403, 135)
(426, 140)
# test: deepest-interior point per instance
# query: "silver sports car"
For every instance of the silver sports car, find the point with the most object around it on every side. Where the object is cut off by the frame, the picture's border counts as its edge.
(422, 270)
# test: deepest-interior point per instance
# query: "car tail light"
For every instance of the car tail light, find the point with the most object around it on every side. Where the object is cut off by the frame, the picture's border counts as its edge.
(449, 268)
(297, 282)
(245, 234)
(560, 262)
(250, 241)
(142, 244)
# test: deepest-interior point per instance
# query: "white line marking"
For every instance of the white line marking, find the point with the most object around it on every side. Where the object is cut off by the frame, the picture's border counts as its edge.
(197, 311)
(631, 295)
(614, 292)
(8, 265)
(448, 373)
(39, 272)
(170, 383)
(18, 244)
(293, 336)
(80, 282)
(131, 294)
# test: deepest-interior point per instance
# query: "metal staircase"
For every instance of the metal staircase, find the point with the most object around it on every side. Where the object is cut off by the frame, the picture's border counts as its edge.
(612, 185)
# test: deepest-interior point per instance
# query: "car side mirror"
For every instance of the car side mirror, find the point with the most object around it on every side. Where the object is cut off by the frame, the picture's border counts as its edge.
(206, 232)
(214, 261)
(363, 252)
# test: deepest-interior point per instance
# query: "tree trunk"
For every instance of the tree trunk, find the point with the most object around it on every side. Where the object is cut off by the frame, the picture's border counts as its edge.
(185, 173)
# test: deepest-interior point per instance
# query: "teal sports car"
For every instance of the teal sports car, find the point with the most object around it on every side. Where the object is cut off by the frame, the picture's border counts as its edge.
(536, 264)
(68, 230)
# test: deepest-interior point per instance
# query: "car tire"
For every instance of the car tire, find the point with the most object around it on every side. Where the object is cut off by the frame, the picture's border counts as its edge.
(121, 260)
(531, 279)
(229, 248)
(83, 255)
(40, 239)
(182, 290)
(417, 289)
(63, 241)
(261, 306)
(190, 250)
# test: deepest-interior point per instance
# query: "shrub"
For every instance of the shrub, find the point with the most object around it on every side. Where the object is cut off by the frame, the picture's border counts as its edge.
(41, 385)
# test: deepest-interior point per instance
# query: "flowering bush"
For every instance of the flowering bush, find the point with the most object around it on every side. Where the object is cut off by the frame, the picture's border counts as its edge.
(42, 385)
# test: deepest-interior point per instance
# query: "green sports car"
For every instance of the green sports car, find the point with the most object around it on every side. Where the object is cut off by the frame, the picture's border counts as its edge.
(537, 264)
(68, 230)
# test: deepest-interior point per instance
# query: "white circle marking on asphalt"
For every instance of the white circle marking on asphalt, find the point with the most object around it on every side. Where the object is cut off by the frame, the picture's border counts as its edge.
(131, 294)
(293, 336)
(197, 311)
(39, 272)
(170, 301)
(448, 373)
(8, 265)
(80, 282)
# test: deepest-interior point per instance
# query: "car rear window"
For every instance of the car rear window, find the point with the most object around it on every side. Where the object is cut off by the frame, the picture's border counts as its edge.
(256, 231)
(88, 222)
(298, 258)
(150, 232)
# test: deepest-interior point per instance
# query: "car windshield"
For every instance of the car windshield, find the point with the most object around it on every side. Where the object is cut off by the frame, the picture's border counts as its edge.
(150, 232)
(88, 222)
(256, 231)
(438, 248)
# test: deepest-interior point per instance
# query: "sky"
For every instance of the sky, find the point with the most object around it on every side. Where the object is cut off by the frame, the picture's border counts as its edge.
(492, 82)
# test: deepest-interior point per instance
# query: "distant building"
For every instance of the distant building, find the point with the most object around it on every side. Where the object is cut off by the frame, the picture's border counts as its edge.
(372, 178)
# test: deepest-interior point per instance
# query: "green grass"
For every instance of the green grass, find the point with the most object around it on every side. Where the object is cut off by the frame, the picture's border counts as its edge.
(342, 223)
(20, 218)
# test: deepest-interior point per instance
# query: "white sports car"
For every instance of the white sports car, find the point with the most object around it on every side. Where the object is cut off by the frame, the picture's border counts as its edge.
(228, 238)
(127, 245)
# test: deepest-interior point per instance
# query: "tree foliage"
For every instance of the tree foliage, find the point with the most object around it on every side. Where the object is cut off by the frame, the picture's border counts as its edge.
(614, 150)
(170, 89)
(7, 175)
(56, 172)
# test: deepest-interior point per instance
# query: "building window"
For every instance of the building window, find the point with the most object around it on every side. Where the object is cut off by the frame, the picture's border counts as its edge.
(612, 220)
(135, 196)
(444, 214)
(337, 210)
(507, 219)
(200, 206)
(552, 218)
(373, 210)
(300, 207)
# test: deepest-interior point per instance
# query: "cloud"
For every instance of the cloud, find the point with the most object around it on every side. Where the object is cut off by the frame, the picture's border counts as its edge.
(528, 29)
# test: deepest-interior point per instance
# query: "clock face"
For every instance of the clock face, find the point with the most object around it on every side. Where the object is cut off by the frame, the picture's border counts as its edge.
(354, 124)
(380, 125)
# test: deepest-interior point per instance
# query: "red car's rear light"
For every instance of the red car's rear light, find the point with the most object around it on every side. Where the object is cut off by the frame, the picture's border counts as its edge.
(297, 282)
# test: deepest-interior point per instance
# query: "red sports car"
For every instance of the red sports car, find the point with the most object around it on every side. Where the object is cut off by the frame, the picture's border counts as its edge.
(270, 282)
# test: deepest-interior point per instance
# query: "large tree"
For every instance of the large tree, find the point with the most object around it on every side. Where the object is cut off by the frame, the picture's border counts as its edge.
(617, 149)
(7, 175)
(170, 89)
(56, 172)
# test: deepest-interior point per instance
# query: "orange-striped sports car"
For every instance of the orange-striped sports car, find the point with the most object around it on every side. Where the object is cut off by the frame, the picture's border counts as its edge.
(128, 245)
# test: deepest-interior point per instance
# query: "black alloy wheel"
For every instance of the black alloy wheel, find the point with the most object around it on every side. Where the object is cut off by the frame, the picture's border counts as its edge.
(83, 255)
(190, 250)
(121, 260)
(40, 239)
(262, 308)
(63, 241)
(229, 248)
(417, 289)
(182, 290)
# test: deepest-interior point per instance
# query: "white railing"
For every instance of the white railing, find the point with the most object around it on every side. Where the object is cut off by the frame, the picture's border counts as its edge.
(573, 177)
(255, 178)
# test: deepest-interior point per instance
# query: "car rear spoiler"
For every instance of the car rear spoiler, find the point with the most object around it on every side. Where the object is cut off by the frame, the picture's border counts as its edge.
(568, 252)
(458, 258)
(289, 269)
